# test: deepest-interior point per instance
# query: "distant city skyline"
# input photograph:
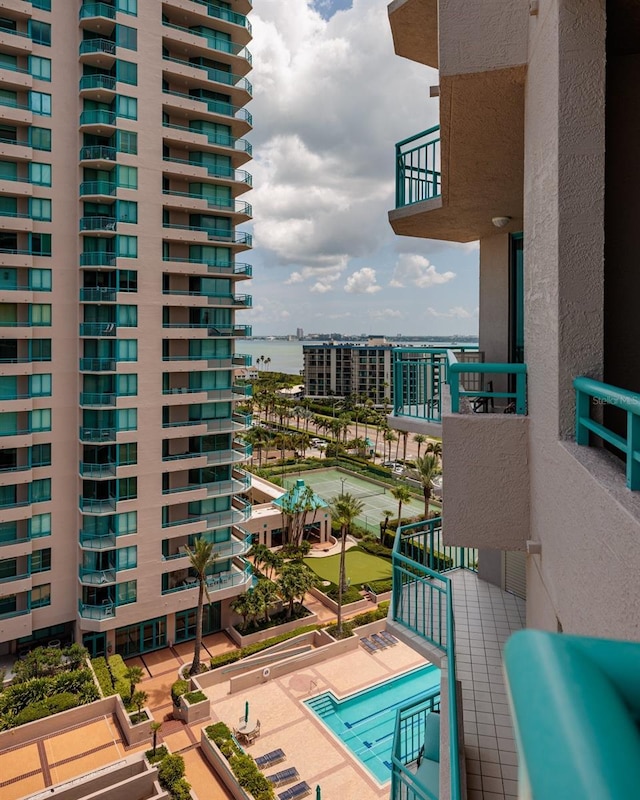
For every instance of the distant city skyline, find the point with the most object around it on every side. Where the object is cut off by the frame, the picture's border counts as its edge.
(331, 100)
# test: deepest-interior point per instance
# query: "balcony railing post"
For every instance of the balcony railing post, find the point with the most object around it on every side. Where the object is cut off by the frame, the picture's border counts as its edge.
(454, 383)
(582, 412)
(633, 445)
(521, 392)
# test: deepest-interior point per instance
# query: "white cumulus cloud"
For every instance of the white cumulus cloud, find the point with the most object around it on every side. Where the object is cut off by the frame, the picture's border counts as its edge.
(418, 271)
(385, 313)
(457, 312)
(362, 282)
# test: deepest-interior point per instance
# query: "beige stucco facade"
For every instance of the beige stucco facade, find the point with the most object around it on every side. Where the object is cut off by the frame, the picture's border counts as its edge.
(512, 481)
(144, 174)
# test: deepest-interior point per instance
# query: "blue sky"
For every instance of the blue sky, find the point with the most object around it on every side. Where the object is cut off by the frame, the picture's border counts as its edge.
(330, 100)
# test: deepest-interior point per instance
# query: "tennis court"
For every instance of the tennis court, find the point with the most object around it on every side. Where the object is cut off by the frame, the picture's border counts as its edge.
(377, 498)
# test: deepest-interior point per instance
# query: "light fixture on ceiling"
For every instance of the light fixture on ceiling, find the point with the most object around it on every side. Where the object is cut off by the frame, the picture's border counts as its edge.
(501, 222)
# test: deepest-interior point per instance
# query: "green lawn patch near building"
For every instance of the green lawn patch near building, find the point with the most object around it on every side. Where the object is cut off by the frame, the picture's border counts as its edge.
(361, 567)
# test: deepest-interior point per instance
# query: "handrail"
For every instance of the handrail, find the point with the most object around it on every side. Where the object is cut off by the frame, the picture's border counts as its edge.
(216, 171)
(408, 573)
(591, 392)
(215, 75)
(215, 106)
(519, 395)
(231, 48)
(222, 139)
(237, 206)
(223, 267)
(418, 176)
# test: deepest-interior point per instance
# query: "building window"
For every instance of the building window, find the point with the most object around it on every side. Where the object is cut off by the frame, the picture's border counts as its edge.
(40, 32)
(40, 280)
(126, 592)
(40, 244)
(128, 7)
(40, 67)
(126, 37)
(127, 211)
(40, 314)
(40, 349)
(40, 174)
(40, 385)
(41, 596)
(127, 316)
(127, 350)
(41, 457)
(126, 523)
(127, 385)
(40, 208)
(41, 490)
(40, 138)
(41, 560)
(41, 419)
(126, 107)
(127, 142)
(127, 177)
(126, 558)
(127, 419)
(127, 72)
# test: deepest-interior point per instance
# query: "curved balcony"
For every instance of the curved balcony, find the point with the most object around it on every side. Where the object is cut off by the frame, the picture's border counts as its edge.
(97, 365)
(91, 470)
(215, 583)
(239, 179)
(222, 551)
(96, 577)
(102, 435)
(239, 240)
(97, 152)
(97, 52)
(98, 259)
(98, 121)
(15, 42)
(92, 541)
(98, 329)
(238, 270)
(97, 505)
(106, 226)
(98, 294)
(207, 141)
(222, 300)
(98, 612)
(238, 119)
(237, 87)
(227, 20)
(195, 43)
(98, 399)
(219, 331)
(238, 210)
(97, 189)
(98, 87)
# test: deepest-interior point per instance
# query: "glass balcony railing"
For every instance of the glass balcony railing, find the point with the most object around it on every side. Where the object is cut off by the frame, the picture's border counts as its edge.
(418, 176)
(212, 330)
(214, 170)
(98, 398)
(92, 470)
(98, 364)
(103, 611)
(98, 152)
(220, 267)
(221, 139)
(219, 12)
(89, 10)
(100, 577)
(217, 234)
(220, 107)
(98, 329)
(98, 434)
(104, 224)
(89, 46)
(98, 116)
(93, 541)
(107, 82)
(97, 188)
(217, 75)
(223, 550)
(97, 505)
(228, 204)
(218, 582)
(98, 294)
(231, 48)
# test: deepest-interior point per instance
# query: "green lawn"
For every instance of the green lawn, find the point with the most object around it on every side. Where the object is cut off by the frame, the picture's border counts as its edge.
(361, 567)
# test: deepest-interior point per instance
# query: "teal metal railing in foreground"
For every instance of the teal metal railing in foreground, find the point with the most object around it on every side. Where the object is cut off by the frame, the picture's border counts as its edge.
(418, 175)
(589, 393)
(408, 739)
(422, 602)
(575, 708)
(518, 396)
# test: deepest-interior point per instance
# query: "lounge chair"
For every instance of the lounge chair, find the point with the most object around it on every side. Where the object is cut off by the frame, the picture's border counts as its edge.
(299, 790)
(379, 641)
(269, 759)
(388, 637)
(369, 646)
(284, 776)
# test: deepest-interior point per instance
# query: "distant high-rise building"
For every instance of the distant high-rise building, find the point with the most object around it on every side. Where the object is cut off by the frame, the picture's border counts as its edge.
(121, 162)
(299, 333)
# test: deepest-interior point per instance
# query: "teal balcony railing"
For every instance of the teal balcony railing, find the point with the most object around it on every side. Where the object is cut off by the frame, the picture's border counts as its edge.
(97, 152)
(569, 745)
(422, 602)
(98, 364)
(90, 469)
(93, 541)
(218, 12)
(217, 75)
(97, 329)
(231, 48)
(107, 82)
(418, 175)
(105, 224)
(98, 398)
(86, 611)
(89, 46)
(591, 394)
(101, 577)
(214, 170)
(485, 396)
(97, 505)
(98, 294)
(220, 107)
(98, 116)
(221, 139)
(97, 188)
(218, 582)
(98, 434)
(219, 267)
(88, 10)
(408, 781)
(219, 234)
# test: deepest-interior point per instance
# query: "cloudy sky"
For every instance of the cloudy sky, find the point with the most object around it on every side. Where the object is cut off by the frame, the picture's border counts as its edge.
(330, 101)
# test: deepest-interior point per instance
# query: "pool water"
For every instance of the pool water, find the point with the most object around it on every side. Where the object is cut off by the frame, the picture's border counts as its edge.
(365, 721)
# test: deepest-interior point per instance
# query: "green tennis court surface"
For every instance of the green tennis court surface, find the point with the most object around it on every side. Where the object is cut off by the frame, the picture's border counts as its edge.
(330, 483)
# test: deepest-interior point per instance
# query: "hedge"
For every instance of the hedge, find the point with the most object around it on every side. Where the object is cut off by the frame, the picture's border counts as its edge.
(235, 655)
(383, 585)
(41, 697)
(171, 777)
(195, 697)
(46, 707)
(376, 549)
(160, 753)
(178, 688)
(118, 668)
(242, 765)
(350, 595)
(361, 619)
(103, 676)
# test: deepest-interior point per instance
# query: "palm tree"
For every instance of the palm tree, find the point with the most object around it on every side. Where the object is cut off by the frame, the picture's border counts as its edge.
(419, 439)
(389, 437)
(258, 552)
(434, 447)
(294, 581)
(134, 675)
(241, 604)
(200, 559)
(402, 495)
(272, 561)
(266, 595)
(427, 468)
(138, 700)
(155, 730)
(344, 508)
(257, 437)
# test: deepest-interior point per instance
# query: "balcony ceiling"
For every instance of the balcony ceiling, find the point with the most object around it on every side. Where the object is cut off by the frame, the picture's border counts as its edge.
(414, 27)
(482, 160)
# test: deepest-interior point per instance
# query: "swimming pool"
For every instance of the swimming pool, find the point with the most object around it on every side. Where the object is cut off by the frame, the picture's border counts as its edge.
(364, 721)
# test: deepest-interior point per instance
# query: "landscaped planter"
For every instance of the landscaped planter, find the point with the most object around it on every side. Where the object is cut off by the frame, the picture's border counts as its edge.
(244, 639)
(221, 767)
(347, 610)
(134, 733)
(191, 712)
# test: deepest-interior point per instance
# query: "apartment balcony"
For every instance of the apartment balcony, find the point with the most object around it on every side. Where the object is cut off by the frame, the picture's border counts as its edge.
(223, 551)
(16, 113)
(236, 241)
(195, 44)
(181, 265)
(97, 330)
(102, 470)
(202, 12)
(97, 190)
(191, 75)
(17, 623)
(98, 364)
(104, 435)
(208, 329)
(441, 609)
(101, 88)
(96, 155)
(98, 52)
(96, 577)
(185, 137)
(15, 42)
(98, 294)
(98, 121)
(102, 611)
(97, 17)
(238, 579)
(92, 541)
(99, 226)
(239, 180)
(15, 78)
(237, 118)
(192, 299)
(236, 210)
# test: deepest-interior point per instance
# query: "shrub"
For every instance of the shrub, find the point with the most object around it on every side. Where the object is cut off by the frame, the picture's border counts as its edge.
(103, 676)
(235, 655)
(384, 585)
(350, 595)
(160, 753)
(171, 770)
(250, 777)
(71, 681)
(180, 790)
(178, 688)
(195, 697)
(76, 655)
(376, 549)
(118, 668)
(46, 707)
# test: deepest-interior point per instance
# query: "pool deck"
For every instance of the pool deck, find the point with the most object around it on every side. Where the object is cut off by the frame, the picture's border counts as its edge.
(320, 758)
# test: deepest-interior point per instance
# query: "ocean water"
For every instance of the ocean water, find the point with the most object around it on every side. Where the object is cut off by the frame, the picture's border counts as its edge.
(286, 356)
